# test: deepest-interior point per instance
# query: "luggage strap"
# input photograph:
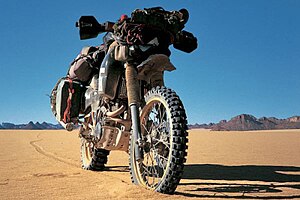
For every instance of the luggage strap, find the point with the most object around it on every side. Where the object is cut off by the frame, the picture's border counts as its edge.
(67, 117)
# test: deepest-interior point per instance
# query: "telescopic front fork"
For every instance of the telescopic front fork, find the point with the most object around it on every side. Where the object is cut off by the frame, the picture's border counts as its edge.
(133, 93)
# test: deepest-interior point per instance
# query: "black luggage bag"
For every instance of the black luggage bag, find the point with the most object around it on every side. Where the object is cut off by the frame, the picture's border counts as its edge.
(66, 100)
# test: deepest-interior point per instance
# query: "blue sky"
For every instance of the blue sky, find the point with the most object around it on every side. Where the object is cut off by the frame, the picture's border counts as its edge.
(248, 59)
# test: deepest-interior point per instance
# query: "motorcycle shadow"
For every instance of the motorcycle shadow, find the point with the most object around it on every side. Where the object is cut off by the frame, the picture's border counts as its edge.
(116, 169)
(219, 181)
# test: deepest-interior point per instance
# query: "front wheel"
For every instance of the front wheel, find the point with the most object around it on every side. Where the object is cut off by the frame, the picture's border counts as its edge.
(164, 130)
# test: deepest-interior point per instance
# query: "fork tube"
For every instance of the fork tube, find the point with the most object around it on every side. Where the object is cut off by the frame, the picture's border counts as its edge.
(133, 88)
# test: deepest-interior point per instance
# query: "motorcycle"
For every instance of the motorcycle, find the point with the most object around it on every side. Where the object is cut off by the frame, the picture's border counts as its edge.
(129, 108)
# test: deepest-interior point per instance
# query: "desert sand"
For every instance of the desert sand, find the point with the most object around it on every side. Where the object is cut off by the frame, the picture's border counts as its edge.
(220, 165)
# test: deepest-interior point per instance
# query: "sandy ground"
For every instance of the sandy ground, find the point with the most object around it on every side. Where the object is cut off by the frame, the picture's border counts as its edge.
(220, 165)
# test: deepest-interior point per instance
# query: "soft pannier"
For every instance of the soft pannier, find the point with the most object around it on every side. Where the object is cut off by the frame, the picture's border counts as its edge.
(86, 64)
(66, 100)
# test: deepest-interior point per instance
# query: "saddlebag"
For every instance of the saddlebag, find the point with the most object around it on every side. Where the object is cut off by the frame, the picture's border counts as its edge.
(66, 100)
(86, 64)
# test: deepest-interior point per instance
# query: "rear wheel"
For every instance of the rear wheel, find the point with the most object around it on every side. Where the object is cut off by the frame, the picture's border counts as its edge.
(92, 158)
(164, 130)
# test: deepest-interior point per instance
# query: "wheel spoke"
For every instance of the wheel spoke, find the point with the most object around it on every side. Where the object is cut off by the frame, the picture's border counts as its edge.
(162, 115)
(162, 161)
(145, 128)
(165, 143)
(157, 173)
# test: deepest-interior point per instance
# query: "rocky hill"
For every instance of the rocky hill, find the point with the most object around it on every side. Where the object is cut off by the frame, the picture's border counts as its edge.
(243, 122)
(246, 122)
(31, 126)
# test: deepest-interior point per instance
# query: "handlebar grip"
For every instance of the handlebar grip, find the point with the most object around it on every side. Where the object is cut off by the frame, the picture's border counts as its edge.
(108, 26)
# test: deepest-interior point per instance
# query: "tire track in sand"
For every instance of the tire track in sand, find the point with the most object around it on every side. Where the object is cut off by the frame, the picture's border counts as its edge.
(40, 150)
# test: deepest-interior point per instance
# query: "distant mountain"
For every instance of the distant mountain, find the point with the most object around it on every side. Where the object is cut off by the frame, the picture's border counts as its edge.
(294, 119)
(200, 126)
(239, 123)
(8, 126)
(246, 122)
(46, 125)
(31, 126)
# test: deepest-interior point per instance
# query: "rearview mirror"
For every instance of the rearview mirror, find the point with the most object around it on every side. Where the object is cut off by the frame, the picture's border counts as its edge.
(185, 15)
